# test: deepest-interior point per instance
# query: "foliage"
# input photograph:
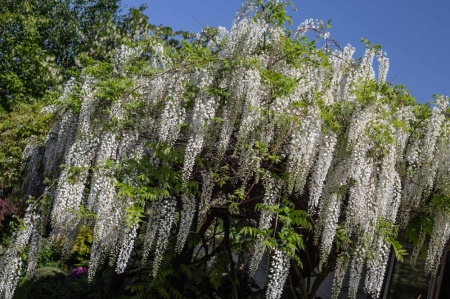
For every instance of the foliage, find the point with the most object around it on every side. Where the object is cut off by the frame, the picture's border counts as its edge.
(42, 42)
(22, 132)
(25, 126)
(27, 70)
(81, 249)
(50, 282)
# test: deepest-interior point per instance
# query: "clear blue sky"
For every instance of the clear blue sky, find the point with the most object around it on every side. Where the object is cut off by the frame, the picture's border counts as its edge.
(414, 33)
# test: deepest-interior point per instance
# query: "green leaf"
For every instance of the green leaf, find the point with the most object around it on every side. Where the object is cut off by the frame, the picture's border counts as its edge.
(398, 249)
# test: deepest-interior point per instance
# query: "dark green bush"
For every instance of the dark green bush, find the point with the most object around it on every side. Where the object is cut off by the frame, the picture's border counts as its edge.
(53, 283)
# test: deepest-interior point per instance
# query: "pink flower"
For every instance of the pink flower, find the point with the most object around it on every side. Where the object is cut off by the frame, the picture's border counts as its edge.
(78, 272)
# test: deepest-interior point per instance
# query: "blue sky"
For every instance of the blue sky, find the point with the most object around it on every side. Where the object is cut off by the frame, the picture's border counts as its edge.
(414, 33)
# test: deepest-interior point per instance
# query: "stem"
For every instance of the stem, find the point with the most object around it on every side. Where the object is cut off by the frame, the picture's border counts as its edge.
(232, 270)
(292, 287)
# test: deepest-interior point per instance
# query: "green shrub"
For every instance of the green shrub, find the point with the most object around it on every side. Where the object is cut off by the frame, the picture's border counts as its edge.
(53, 283)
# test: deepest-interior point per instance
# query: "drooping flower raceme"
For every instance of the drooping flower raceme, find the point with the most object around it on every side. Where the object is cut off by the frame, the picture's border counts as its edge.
(207, 130)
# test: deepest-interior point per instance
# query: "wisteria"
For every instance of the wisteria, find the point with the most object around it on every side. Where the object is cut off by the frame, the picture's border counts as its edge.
(126, 246)
(187, 217)
(441, 233)
(164, 225)
(339, 275)
(155, 152)
(270, 198)
(11, 263)
(278, 272)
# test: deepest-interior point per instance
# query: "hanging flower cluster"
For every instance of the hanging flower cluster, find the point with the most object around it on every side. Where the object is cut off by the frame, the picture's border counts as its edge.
(173, 133)
(11, 262)
(265, 222)
(279, 270)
